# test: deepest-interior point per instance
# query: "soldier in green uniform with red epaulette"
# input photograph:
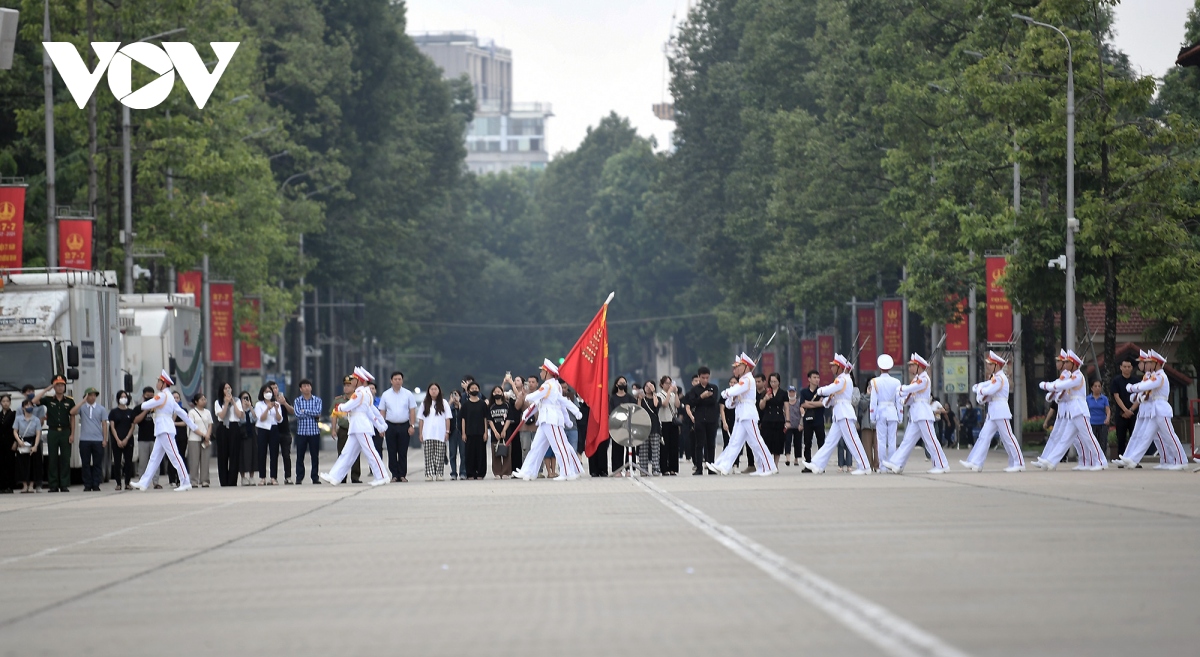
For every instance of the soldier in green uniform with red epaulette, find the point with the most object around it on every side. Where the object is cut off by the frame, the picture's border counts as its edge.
(61, 434)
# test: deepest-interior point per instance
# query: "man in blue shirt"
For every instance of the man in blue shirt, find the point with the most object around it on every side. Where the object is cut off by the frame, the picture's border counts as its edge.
(308, 435)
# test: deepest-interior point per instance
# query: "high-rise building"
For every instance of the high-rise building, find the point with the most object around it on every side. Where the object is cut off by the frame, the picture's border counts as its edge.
(505, 134)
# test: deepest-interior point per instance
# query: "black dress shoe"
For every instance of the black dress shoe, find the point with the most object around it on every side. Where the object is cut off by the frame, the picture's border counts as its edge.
(697, 472)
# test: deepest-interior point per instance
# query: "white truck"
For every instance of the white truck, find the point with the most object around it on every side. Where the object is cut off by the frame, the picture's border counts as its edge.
(60, 322)
(163, 333)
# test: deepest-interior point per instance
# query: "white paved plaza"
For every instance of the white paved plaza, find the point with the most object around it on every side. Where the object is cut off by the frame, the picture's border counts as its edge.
(1063, 563)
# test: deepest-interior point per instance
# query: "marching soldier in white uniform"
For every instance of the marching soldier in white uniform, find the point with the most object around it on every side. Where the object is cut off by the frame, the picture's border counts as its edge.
(365, 420)
(917, 395)
(165, 411)
(552, 409)
(994, 393)
(1073, 413)
(740, 397)
(885, 412)
(1155, 414)
(845, 424)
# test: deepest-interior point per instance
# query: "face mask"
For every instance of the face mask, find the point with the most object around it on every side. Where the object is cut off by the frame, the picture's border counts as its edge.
(622, 386)
(267, 396)
(122, 400)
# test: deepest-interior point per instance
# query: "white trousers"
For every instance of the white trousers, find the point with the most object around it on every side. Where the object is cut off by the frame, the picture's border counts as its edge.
(1076, 431)
(164, 443)
(885, 434)
(1161, 432)
(992, 429)
(358, 443)
(842, 430)
(919, 430)
(552, 436)
(745, 432)
(1058, 434)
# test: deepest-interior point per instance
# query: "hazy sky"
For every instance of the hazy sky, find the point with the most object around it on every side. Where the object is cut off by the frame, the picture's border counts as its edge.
(590, 57)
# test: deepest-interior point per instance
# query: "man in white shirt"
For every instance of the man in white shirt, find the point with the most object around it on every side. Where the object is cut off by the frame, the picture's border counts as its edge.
(399, 409)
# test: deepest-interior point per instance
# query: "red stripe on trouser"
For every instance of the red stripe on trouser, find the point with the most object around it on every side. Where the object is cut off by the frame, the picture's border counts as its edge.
(179, 464)
(935, 448)
(574, 454)
(1016, 447)
(1095, 443)
(561, 452)
(1174, 439)
(1083, 460)
(763, 447)
(374, 455)
(862, 462)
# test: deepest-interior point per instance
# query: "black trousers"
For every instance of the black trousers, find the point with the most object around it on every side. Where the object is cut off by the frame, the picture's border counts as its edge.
(397, 448)
(8, 463)
(704, 444)
(685, 438)
(122, 462)
(812, 428)
(1124, 428)
(475, 466)
(668, 459)
(310, 445)
(91, 453)
(597, 462)
(268, 439)
(617, 451)
(224, 441)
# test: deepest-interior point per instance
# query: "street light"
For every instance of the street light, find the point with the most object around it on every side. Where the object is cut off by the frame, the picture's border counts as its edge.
(1072, 223)
(127, 178)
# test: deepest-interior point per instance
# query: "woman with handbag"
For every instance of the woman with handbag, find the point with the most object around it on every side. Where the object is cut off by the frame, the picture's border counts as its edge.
(500, 422)
(27, 429)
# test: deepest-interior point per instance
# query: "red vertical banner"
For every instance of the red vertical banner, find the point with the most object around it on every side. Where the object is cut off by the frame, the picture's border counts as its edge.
(958, 334)
(250, 353)
(767, 362)
(999, 310)
(866, 340)
(824, 356)
(220, 318)
(893, 330)
(808, 359)
(12, 226)
(75, 243)
(190, 282)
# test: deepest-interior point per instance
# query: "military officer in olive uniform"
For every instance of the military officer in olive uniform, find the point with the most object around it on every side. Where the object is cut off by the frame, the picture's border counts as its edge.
(61, 434)
(343, 427)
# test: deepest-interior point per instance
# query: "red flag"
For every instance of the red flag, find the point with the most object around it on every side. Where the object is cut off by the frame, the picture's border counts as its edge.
(190, 282)
(586, 369)
(12, 226)
(220, 322)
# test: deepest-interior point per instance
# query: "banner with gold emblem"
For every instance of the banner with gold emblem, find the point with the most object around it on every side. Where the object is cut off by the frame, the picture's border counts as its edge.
(75, 243)
(12, 226)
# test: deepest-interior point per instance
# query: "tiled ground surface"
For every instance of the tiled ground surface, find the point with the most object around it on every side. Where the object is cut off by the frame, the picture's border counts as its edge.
(1060, 563)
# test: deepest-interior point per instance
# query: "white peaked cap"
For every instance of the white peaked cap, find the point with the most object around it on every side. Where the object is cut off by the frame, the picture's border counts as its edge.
(1074, 357)
(166, 378)
(885, 362)
(1062, 355)
(549, 366)
(363, 375)
(995, 358)
(744, 359)
(1157, 357)
(1143, 354)
(916, 358)
(841, 361)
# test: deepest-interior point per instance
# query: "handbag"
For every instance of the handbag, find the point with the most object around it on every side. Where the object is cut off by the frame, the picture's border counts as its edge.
(501, 449)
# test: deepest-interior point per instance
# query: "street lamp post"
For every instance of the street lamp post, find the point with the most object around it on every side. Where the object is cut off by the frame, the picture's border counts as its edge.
(127, 179)
(1072, 223)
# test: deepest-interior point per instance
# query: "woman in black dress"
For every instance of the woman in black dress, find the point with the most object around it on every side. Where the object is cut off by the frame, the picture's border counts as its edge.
(772, 416)
(474, 420)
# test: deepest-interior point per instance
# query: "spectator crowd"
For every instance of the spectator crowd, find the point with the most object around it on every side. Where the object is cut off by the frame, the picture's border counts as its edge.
(473, 431)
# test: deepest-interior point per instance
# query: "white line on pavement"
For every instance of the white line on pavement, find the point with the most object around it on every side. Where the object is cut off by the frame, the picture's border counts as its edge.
(52, 550)
(891, 633)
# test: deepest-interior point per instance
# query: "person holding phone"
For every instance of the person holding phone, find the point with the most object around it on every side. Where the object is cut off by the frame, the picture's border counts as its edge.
(267, 414)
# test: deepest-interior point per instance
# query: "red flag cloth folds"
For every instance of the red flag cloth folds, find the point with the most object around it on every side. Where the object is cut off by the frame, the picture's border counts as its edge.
(586, 369)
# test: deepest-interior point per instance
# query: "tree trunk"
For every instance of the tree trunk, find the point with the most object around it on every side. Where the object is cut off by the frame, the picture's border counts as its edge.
(1049, 372)
(91, 120)
(1029, 346)
(1110, 319)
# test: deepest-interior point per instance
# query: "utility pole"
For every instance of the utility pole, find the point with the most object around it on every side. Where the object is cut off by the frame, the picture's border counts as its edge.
(300, 321)
(51, 201)
(205, 307)
(1018, 364)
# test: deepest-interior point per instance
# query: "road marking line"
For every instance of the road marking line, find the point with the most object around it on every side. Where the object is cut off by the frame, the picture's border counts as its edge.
(891, 633)
(52, 550)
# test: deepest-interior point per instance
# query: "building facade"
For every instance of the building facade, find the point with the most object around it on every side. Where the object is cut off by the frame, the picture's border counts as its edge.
(504, 134)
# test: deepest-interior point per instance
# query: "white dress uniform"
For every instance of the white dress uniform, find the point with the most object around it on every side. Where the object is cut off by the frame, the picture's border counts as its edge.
(1154, 414)
(885, 407)
(165, 411)
(1073, 412)
(994, 393)
(365, 420)
(741, 398)
(552, 410)
(845, 423)
(917, 396)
